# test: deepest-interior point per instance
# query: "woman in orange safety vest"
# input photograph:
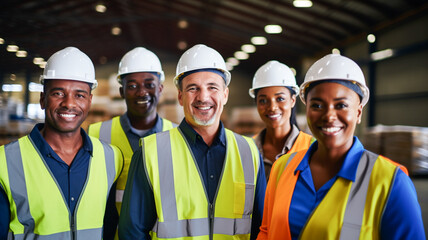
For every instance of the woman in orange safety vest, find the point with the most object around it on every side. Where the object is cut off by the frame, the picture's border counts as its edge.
(336, 189)
(274, 89)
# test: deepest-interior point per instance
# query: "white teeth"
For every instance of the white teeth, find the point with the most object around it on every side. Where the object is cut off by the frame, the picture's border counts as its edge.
(68, 115)
(142, 102)
(275, 116)
(204, 108)
(331, 129)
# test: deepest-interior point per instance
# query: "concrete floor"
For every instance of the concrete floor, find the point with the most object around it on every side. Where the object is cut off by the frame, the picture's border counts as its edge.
(421, 185)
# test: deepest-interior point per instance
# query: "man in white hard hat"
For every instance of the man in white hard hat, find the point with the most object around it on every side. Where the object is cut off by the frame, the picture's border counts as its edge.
(56, 179)
(140, 76)
(199, 179)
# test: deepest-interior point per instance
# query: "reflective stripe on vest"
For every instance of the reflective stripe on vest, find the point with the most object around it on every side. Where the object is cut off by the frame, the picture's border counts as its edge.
(373, 172)
(169, 224)
(112, 132)
(38, 208)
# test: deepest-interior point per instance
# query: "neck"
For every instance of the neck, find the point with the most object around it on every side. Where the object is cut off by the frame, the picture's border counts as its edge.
(142, 122)
(208, 133)
(66, 145)
(277, 136)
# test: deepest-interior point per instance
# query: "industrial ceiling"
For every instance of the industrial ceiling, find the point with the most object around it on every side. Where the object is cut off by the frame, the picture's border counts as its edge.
(42, 27)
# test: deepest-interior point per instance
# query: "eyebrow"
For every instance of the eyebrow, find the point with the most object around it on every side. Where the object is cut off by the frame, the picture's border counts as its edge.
(335, 99)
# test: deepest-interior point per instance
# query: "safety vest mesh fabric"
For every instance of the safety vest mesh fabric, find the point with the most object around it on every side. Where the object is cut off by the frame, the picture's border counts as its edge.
(350, 210)
(181, 202)
(302, 142)
(112, 132)
(37, 205)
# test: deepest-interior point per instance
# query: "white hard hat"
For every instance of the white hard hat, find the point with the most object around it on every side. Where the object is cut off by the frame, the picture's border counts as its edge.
(201, 57)
(273, 73)
(140, 59)
(70, 64)
(335, 67)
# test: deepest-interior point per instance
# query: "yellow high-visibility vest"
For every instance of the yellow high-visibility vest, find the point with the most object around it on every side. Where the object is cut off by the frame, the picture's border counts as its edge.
(182, 205)
(112, 132)
(38, 209)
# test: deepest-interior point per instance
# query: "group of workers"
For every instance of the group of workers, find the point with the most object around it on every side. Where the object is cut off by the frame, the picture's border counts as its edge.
(139, 176)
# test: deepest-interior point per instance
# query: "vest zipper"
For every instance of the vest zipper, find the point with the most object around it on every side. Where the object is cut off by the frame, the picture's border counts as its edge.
(211, 216)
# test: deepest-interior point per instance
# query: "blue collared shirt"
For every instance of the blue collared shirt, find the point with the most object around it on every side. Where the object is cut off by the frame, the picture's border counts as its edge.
(138, 213)
(402, 218)
(70, 179)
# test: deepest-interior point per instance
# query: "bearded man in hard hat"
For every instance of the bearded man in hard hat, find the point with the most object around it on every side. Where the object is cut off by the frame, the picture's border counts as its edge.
(56, 179)
(199, 180)
(140, 76)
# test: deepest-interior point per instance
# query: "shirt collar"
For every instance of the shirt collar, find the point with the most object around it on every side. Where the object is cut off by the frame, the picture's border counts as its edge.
(126, 125)
(349, 166)
(191, 135)
(44, 148)
(289, 142)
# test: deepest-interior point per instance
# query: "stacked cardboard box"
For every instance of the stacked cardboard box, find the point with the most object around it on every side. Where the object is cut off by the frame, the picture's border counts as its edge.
(403, 144)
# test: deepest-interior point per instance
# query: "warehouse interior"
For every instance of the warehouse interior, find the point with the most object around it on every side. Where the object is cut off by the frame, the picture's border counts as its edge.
(387, 38)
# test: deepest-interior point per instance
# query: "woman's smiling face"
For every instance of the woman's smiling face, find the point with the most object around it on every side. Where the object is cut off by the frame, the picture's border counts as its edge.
(333, 112)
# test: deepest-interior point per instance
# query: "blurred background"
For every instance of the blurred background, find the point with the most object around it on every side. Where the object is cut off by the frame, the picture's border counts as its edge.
(387, 38)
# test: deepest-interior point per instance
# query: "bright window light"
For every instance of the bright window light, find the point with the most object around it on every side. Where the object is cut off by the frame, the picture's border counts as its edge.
(380, 55)
(371, 38)
(248, 48)
(12, 48)
(12, 88)
(273, 29)
(302, 3)
(241, 55)
(35, 87)
(259, 40)
(43, 64)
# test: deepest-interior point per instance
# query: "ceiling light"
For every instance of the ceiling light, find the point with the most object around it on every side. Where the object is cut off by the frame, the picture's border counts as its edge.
(183, 24)
(1, 41)
(229, 66)
(241, 55)
(21, 53)
(38, 60)
(182, 45)
(12, 77)
(258, 40)
(380, 55)
(12, 48)
(335, 51)
(43, 64)
(248, 48)
(101, 8)
(302, 3)
(273, 29)
(233, 61)
(294, 71)
(116, 30)
(371, 38)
